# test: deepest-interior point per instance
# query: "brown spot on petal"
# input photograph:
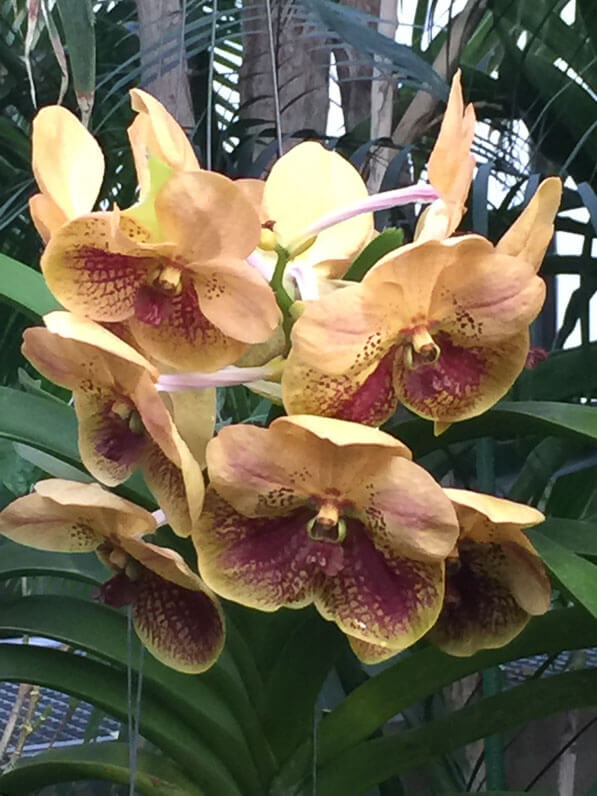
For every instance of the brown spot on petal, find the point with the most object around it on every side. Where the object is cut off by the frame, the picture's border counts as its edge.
(183, 629)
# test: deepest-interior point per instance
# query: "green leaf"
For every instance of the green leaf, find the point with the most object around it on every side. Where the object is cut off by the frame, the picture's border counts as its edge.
(580, 536)
(102, 632)
(155, 774)
(105, 686)
(577, 574)
(77, 21)
(506, 420)
(25, 288)
(301, 668)
(389, 240)
(18, 561)
(422, 673)
(356, 770)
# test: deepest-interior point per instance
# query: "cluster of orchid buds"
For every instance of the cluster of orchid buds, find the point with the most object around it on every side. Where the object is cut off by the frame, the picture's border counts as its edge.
(207, 282)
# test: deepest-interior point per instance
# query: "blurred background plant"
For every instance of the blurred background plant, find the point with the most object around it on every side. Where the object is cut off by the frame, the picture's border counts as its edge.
(369, 78)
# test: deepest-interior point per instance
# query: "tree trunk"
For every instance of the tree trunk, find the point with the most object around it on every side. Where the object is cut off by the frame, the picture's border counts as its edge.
(163, 57)
(301, 63)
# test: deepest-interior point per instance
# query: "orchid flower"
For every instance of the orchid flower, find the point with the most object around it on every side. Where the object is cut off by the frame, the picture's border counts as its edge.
(440, 326)
(175, 615)
(123, 422)
(314, 205)
(328, 512)
(495, 581)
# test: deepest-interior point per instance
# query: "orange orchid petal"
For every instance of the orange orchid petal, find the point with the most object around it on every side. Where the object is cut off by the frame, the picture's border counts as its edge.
(531, 233)
(487, 511)
(157, 132)
(314, 456)
(94, 268)
(489, 590)
(405, 512)
(483, 295)
(185, 339)
(236, 299)
(46, 215)
(67, 161)
(67, 516)
(176, 616)
(194, 415)
(347, 331)
(253, 560)
(207, 216)
(368, 396)
(451, 164)
(269, 562)
(254, 190)
(178, 488)
(465, 381)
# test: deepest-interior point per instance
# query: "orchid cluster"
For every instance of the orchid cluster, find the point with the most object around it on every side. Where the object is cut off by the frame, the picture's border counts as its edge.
(207, 282)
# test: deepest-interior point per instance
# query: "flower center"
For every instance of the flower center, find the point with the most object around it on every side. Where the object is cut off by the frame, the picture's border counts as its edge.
(118, 560)
(167, 279)
(327, 525)
(421, 350)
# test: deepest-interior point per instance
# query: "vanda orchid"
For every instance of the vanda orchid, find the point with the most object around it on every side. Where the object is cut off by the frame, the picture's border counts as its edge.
(291, 496)
(175, 615)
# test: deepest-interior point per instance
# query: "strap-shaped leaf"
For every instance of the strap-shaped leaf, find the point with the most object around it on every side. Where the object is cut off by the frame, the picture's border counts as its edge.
(102, 632)
(105, 686)
(426, 671)
(77, 21)
(155, 774)
(291, 690)
(356, 770)
(25, 288)
(579, 536)
(577, 574)
(17, 561)
(507, 419)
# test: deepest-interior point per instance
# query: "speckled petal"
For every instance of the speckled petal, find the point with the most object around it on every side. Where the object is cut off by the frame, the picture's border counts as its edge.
(406, 512)
(314, 456)
(368, 396)
(261, 562)
(370, 653)
(482, 295)
(109, 449)
(348, 331)
(181, 626)
(390, 602)
(93, 267)
(178, 488)
(237, 300)
(481, 610)
(465, 381)
(185, 339)
(68, 516)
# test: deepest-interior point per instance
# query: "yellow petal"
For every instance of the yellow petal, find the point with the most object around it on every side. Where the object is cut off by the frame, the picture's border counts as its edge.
(207, 216)
(67, 161)
(95, 269)
(496, 510)
(46, 215)
(178, 487)
(160, 134)
(305, 184)
(194, 415)
(531, 233)
(67, 516)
